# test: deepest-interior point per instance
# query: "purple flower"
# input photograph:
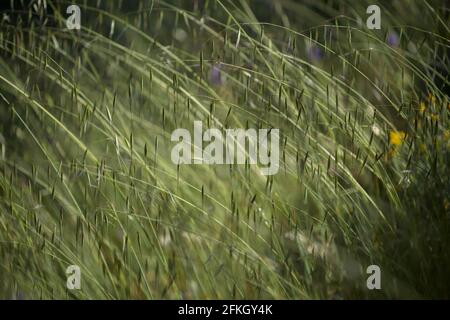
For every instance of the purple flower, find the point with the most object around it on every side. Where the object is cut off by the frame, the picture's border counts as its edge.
(215, 75)
(393, 40)
(315, 53)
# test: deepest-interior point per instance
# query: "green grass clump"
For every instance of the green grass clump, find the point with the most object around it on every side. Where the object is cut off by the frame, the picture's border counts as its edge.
(86, 176)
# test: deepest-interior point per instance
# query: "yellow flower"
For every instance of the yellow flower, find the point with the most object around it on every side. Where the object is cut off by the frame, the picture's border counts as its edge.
(431, 98)
(446, 135)
(435, 117)
(396, 137)
(422, 107)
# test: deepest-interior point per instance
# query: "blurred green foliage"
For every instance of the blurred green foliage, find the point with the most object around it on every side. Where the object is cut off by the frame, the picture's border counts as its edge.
(85, 170)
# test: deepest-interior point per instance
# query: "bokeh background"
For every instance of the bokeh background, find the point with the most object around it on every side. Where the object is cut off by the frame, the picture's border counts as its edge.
(85, 171)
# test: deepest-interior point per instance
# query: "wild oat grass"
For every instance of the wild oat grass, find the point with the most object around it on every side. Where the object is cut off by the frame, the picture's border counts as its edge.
(86, 176)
